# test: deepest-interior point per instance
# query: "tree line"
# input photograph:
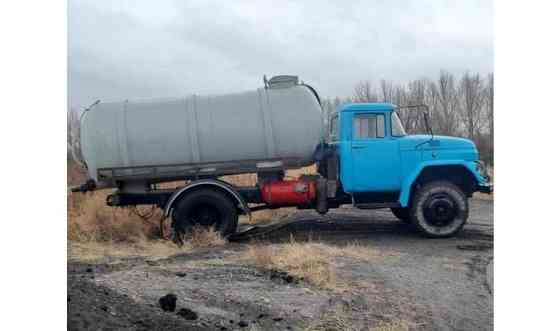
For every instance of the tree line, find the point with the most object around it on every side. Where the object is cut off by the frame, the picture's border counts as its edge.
(458, 106)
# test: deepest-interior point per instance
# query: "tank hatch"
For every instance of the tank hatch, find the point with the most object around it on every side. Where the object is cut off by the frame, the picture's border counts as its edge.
(282, 81)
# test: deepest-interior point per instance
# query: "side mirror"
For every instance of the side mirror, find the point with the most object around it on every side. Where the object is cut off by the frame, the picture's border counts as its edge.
(333, 128)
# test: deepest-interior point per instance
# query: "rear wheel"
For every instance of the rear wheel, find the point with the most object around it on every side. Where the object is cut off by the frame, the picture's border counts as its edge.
(402, 214)
(439, 209)
(207, 208)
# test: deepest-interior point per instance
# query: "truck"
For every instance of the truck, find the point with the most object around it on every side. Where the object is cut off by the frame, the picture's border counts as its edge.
(363, 157)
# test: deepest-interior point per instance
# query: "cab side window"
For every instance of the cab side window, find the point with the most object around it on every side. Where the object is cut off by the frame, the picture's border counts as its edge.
(367, 126)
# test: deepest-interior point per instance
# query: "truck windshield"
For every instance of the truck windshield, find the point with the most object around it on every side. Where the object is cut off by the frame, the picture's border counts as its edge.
(397, 129)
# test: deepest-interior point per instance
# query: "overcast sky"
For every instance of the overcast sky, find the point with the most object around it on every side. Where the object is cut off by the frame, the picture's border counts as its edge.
(144, 49)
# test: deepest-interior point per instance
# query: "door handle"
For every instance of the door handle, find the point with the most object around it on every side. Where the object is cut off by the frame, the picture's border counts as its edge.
(358, 146)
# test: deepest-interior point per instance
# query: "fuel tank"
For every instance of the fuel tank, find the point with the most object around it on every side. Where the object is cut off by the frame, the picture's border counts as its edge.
(288, 192)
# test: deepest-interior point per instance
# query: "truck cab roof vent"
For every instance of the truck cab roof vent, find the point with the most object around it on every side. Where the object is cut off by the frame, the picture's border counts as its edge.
(282, 81)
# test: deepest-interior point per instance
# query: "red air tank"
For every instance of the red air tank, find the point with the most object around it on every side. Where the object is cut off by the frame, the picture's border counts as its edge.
(288, 192)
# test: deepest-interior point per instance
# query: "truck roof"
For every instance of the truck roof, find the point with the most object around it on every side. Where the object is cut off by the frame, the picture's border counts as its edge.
(377, 106)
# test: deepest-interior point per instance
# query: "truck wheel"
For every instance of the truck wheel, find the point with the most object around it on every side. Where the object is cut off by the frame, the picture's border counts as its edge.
(207, 208)
(402, 214)
(439, 209)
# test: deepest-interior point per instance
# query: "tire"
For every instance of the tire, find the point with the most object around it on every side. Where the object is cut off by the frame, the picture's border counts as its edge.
(207, 208)
(402, 214)
(439, 209)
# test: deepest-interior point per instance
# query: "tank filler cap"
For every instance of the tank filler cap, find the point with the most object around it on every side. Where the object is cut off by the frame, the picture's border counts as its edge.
(282, 81)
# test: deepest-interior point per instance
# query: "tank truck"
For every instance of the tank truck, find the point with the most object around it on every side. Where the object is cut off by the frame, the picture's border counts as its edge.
(363, 157)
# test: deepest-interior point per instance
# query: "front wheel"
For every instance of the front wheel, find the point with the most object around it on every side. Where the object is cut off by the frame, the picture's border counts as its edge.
(439, 209)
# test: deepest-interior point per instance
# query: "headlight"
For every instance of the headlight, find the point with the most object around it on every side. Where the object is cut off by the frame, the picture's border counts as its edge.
(481, 168)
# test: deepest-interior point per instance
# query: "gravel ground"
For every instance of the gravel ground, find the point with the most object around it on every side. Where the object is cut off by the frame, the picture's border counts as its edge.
(442, 284)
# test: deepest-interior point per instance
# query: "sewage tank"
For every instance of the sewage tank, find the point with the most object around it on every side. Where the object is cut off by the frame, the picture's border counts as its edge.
(275, 127)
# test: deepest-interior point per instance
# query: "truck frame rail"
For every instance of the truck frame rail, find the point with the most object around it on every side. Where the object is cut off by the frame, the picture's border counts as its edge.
(190, 171)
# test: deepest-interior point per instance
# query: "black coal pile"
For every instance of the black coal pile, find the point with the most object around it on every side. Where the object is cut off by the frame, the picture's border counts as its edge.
(284, 277)
(168, 302)
(187, 314)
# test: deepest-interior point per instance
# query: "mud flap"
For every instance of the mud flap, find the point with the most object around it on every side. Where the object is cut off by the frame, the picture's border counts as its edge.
(321, 204)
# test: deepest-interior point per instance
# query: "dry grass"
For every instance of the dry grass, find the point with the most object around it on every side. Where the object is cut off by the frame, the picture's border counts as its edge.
(332, 323)
(99, 251)
(90, 219)
(308, 261)
(201, 237)
(391, 326)
(75, 175)
(314, 262)
(97, 231)
(155, 249)
(340, 320)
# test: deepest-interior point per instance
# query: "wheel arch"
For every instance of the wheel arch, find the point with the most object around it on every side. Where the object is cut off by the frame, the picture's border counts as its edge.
(224, 187)
(457, 172)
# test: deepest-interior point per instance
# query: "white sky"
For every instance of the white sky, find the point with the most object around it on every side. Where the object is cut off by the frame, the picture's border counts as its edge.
(145, 49)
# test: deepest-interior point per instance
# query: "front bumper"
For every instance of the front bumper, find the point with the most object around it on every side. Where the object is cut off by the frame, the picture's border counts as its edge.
(483, 178)
(486, 188)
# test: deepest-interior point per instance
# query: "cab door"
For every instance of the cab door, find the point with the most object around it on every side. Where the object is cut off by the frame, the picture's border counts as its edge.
(375, 154)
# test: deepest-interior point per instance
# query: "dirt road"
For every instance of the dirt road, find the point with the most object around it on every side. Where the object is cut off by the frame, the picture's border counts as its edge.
(423, 284)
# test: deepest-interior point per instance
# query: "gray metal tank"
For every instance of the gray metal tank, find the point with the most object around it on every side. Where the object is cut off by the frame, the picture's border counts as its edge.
(275, 127)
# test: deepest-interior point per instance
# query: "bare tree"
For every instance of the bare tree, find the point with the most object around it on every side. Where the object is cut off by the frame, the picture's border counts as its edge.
(364, 92)
(337, 102)
(387, 91)
(472, 96)
(73, 134)
(400, 96)
(431, 100)
(448, 104)
(490, 104)
(416, 95)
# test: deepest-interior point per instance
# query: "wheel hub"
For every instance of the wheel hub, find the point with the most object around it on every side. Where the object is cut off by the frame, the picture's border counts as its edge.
(440, 210)
(204, 215)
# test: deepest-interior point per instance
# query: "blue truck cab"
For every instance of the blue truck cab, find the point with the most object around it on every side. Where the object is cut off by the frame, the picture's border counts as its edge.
(426, 180)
